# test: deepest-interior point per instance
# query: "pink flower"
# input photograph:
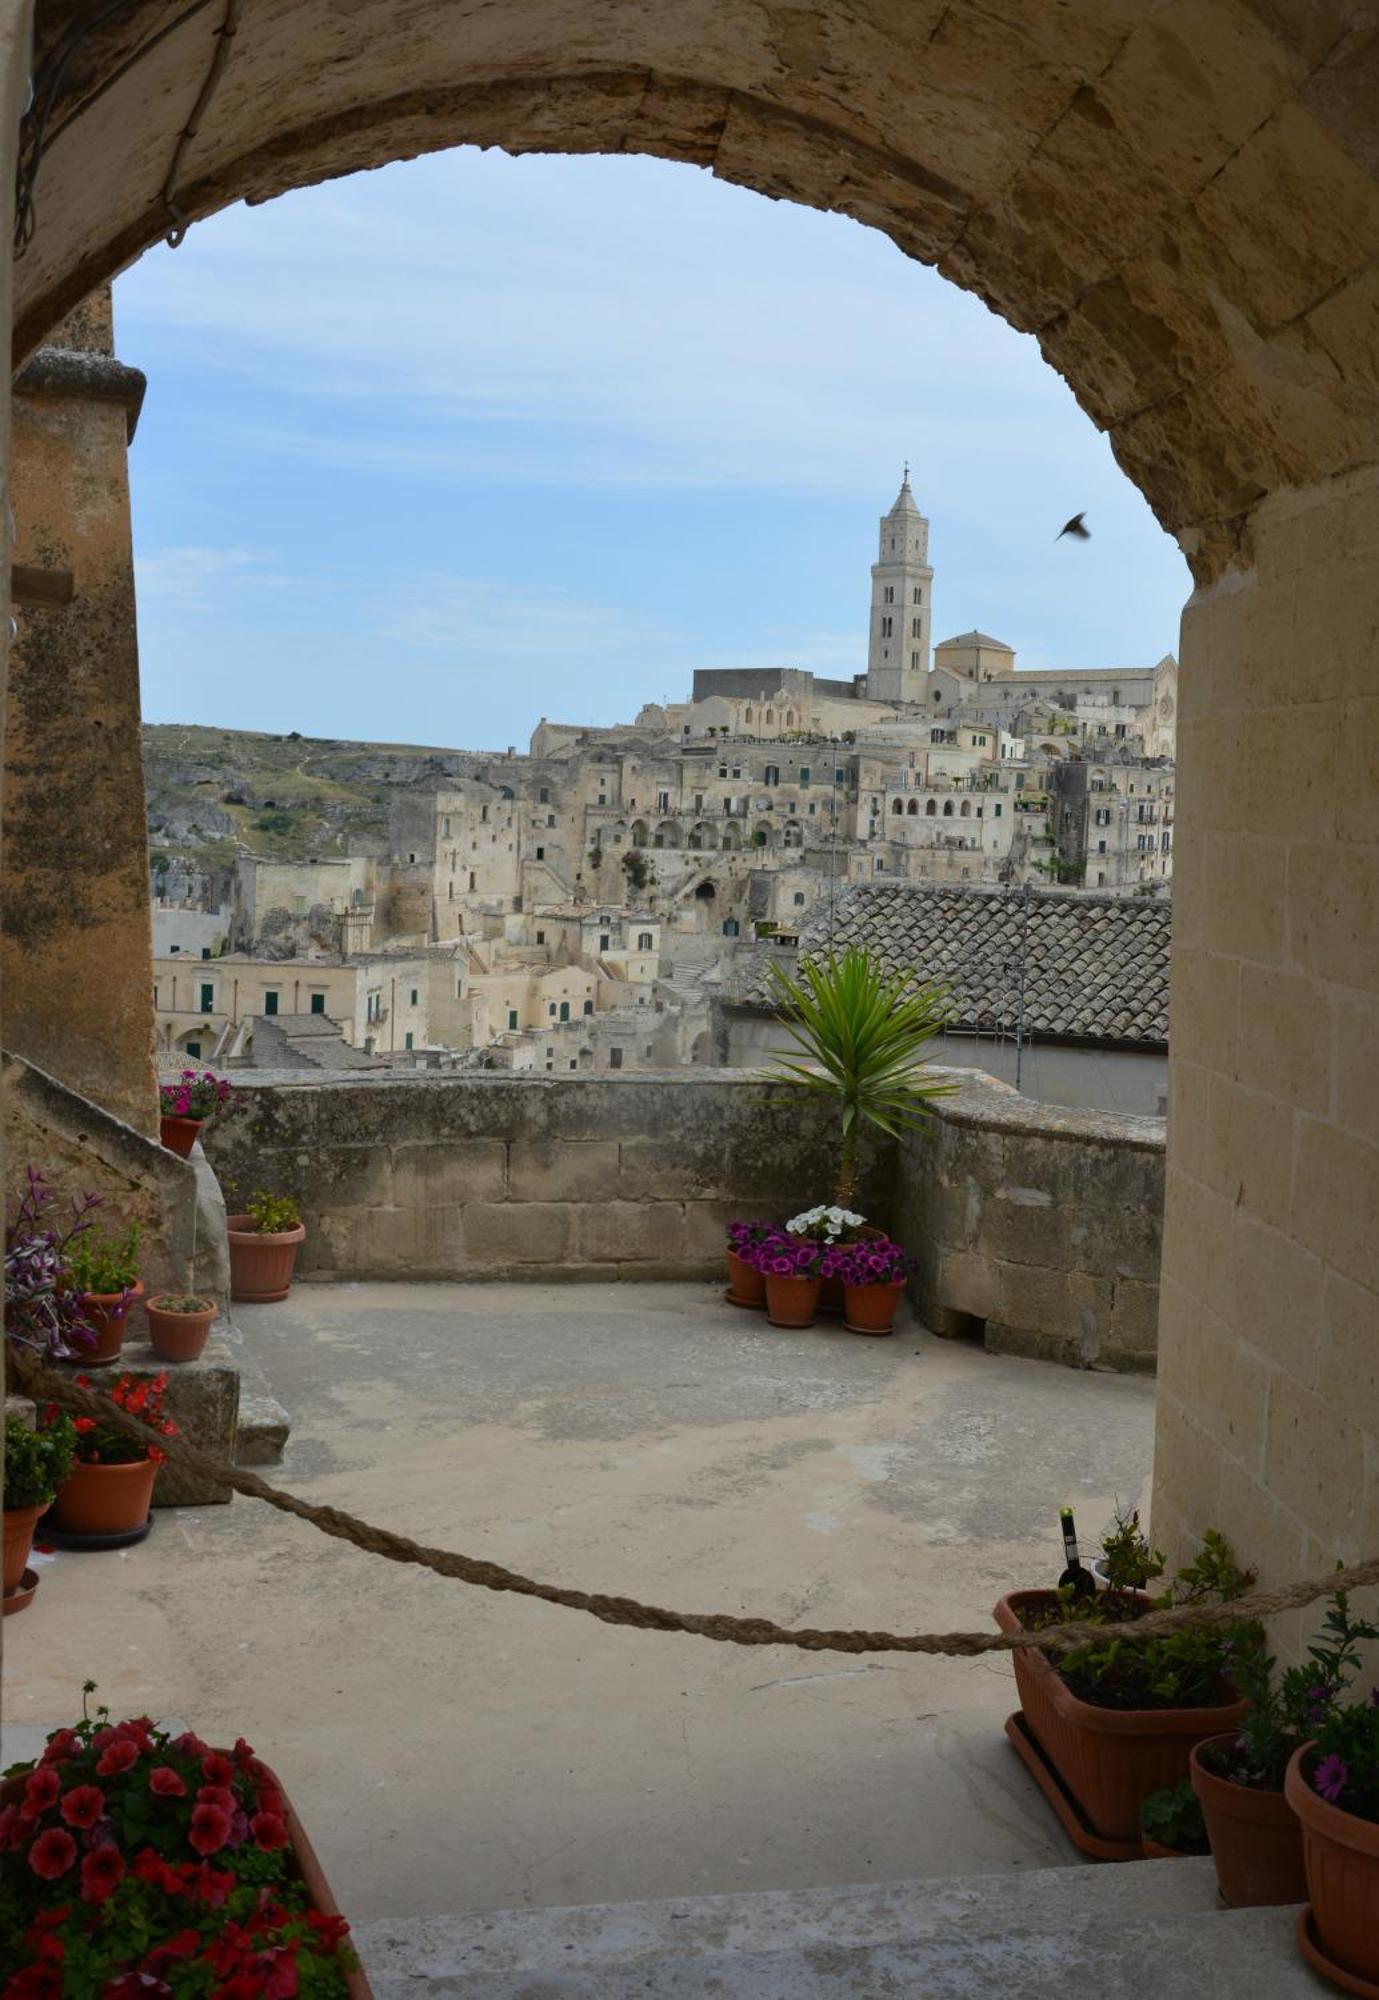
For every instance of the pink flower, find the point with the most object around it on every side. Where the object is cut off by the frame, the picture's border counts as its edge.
(1331, 1777)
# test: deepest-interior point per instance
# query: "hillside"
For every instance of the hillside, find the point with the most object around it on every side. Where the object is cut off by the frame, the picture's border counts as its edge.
(213, 793)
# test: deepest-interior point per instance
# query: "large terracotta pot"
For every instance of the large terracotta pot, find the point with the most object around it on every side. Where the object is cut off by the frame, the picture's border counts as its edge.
(1110, 1759)
(746, 1286)
(261, 1265)
(178, 1336)
(20, 1523)
(791, 1301)
(179, 1135)
(106, 1499)
(871, 1308)
(107, 1314)
(1255, 1835)
(357, 1985)
(1341, 1857)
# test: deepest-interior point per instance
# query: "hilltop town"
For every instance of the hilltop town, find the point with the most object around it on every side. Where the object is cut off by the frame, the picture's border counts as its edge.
(595, 902)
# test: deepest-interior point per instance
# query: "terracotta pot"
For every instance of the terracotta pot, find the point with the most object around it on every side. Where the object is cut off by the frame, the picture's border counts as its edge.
(261, 1265)
(179, 1135)
(357, 1985)
(831, 1296)
(106, 1499)
(745, 1282)
(1110, 1759)
(1341, 1856)
(177, 1336)
(107, 1314)
(1255, 1836)
(19, 1539)
(791, 1301)
(871, 1308)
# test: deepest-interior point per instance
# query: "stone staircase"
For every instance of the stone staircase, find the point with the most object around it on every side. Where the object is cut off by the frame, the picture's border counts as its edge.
(1148, 1930)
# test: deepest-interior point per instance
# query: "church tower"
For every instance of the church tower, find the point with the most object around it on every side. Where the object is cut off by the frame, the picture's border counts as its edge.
(902, 586)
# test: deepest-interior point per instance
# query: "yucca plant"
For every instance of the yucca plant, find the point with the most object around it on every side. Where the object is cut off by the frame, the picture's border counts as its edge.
(861, 1037)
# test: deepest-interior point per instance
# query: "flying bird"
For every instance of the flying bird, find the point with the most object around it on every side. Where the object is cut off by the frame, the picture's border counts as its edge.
(1075, 527)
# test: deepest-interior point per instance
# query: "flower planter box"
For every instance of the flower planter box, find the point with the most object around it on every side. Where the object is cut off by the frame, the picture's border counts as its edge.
(1256, 1837)
(261, 1262)
(1109, 1759)
(1339, 1932)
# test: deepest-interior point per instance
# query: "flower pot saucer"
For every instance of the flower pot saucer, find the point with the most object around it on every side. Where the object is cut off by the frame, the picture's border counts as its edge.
(748, 1305)
(64, 1538)
(22, 1596)
(1071, 1817)
(875, 1332)
(1305, 1931)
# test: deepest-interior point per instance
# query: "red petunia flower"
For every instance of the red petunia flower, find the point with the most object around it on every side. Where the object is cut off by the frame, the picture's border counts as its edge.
(269, 1830)
(83, 1806)
(210, 1828)
(190, 1744)
(217, 1769)
(208, 1885)
(171, 1952)
(151, 1868)
(116, 1757)
(53, 1853)
(331, 1932)
(42, 1788)
(63, 1742)
(166, 1783)
(102, 1872)
(217, 1795)
(35, 1982)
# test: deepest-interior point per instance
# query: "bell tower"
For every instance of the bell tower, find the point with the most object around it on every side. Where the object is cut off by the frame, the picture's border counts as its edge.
(902, 586)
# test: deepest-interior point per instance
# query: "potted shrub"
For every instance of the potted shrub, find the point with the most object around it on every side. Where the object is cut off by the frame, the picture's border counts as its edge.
(862, 1039)
(138, 1863)
(109, 1489)
(1239, 1778)
(42, 1309)
(1333, 1786)
(264, 1242)
(179, 1324)
(103, 1268)
(1171, 1824)
(746, 1285)
(36, 1462)
(790, 1266)
(872, 1273)
(1117, 1722)
(187, 1105)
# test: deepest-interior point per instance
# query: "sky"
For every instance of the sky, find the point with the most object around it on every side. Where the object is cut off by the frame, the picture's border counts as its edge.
(437, 450)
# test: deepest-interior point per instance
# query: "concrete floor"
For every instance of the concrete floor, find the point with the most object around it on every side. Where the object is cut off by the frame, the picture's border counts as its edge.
(453, 1750)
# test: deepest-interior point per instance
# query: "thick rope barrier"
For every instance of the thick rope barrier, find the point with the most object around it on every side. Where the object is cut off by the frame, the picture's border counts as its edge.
(46, 1386)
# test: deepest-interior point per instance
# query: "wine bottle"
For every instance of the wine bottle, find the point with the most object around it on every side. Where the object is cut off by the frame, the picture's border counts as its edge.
(1076, 1577)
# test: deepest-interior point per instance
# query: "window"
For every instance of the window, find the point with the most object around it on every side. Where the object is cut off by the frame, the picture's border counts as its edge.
(890, 594)
(588, 1006)
(471, 878)
(205, 951)
(887, 625)
(615, 1059)
(445, 827)
(544, 795)
(914, 661)
(550, 819)
(772, 776)
(799, 899)
(918, 597)
(207, 997)
(551, 1009)
(1101, 847)
(730, 927)
(605, 939)
(318, 1003)
(564, 1010)
(540, 937)
(270, 1003)
(1103, 815)
(914, 628)
(415, 996)
(407, 1039)
(541, 854)
(997, 809)
(644, 940)
(512, 1017)
(663, 801)
(173, 950)
(838, 776)
(193, 1048)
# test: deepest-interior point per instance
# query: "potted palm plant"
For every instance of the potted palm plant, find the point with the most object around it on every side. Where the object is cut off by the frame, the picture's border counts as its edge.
(36, 1463)
(264, 1241)
(1239, 1778)
(103, 1268)
(862, 1038)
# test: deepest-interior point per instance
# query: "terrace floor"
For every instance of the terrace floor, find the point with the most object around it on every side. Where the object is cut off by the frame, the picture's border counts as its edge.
(452, 1750)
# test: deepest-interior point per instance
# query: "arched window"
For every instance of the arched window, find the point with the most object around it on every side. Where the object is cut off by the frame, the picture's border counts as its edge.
(747, 715)
(932, 808)
(770, 715)
(914, 808)
(967, 808)
(898, 806)
(947, 808)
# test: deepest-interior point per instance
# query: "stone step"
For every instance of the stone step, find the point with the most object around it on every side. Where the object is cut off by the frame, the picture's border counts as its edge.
(1137, 1931)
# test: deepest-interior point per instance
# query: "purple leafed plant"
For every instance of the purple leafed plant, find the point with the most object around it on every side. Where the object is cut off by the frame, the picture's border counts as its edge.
(42, 1309)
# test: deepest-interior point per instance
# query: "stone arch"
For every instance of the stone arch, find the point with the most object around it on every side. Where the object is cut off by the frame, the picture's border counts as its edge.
(967, 808)
(732, 838)
(641, 833)
(931, 808)
(793, 834)
(702, 835)
(947, 808)
(913, 809)
(668, 834)
(897, 806)
(764, 834)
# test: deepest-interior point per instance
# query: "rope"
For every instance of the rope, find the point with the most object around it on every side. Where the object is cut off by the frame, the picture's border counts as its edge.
(46, 1386)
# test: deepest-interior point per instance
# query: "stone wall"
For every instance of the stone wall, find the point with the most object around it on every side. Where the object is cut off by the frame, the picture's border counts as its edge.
(1037, 1227)
(1042, 1224)
(1268, 1420)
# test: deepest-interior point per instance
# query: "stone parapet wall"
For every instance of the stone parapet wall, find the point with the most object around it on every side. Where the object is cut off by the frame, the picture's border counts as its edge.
(1042, 1223)
(1037, 1226)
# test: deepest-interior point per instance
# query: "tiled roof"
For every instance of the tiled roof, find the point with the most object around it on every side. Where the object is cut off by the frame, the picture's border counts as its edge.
(1095, 967)
(975, 639)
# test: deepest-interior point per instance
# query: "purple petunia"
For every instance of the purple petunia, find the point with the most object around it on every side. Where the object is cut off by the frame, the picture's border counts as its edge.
(1331, 1777)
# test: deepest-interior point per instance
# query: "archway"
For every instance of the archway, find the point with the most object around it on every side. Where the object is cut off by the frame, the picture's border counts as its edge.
(1226, 353)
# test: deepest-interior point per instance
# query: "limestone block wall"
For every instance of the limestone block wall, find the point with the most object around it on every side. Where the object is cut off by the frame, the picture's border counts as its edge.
(1036, 1227)
(1268, 1419)
(1042, 1223)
